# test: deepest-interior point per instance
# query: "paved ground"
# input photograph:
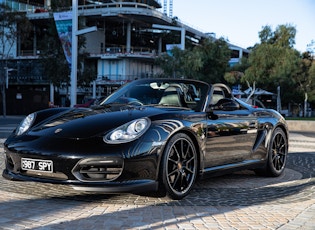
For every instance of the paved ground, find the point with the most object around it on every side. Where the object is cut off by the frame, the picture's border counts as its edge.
(236, 201)
(8, 123)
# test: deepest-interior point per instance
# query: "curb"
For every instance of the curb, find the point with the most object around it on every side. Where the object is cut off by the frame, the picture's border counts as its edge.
(302, 126)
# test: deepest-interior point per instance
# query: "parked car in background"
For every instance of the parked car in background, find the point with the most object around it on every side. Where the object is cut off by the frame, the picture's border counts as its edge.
(150, 135)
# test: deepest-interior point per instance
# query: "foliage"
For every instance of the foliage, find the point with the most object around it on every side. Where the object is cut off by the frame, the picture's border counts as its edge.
(215, 55)
(275, 62)
(207, 62)
(311, 48)
(55, 65)
(86, 70)
(171, 63)
(271, 64)
(305, 77)
(235, 73)
(233, 77)
(283, 36)
(12, 25)
(59, 5)
(52, 56)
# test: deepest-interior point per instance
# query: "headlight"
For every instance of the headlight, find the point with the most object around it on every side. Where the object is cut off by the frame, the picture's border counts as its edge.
(25, 124)
(128, 132)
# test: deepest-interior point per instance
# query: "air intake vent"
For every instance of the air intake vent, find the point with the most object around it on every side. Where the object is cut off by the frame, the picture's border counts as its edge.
(98, 169)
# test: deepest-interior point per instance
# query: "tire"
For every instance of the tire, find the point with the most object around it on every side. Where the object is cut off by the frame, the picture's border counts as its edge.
(277, 155)
(179, 166)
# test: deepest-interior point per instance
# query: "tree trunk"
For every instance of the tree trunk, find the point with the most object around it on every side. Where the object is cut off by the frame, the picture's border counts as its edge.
(305, 105)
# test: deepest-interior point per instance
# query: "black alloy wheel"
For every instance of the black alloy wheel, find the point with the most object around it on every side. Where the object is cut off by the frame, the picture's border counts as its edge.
(179, 167)
(279, 151)
(277, 154)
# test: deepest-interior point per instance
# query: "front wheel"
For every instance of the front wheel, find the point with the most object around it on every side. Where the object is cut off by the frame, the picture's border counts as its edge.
(277, 154)
(179, 166)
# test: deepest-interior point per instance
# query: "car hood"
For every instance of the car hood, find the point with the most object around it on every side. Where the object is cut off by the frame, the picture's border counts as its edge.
(86, 123)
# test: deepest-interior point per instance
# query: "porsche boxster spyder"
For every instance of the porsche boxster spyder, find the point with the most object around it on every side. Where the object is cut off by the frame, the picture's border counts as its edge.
(149, 135)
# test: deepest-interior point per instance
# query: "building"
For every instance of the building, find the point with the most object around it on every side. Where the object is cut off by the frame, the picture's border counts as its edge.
(129, 37)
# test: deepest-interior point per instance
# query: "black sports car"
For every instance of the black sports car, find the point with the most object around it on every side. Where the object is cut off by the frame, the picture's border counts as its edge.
(151, 134)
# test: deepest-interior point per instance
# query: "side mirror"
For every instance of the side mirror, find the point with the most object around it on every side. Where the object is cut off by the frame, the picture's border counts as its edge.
(231, 106)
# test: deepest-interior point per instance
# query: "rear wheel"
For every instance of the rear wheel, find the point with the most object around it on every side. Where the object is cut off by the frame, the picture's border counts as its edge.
(277, 155)
(179, 166)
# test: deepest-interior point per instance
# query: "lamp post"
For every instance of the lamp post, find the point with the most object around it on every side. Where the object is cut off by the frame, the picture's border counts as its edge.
(3, 80)
(5, 85)
(74, 51)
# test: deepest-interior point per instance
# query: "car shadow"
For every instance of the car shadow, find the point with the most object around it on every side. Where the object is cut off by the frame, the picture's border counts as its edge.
(39, 206)
(88, 211)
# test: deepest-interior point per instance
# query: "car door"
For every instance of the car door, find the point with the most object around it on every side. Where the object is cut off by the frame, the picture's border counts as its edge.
(231, 129)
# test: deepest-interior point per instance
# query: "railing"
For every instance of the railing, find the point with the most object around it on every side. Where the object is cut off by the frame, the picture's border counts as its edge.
(116, 5)
(30, 79)
(118, 79)
(112, 49)
(99, 6)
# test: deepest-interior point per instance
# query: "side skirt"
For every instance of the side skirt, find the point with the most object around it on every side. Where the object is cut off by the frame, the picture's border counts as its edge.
(229, 168)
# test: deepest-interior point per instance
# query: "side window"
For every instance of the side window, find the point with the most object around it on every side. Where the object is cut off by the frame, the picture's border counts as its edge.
(222, 99)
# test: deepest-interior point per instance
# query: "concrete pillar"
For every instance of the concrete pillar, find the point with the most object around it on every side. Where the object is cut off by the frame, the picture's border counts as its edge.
(52, 94)
(94, 89)
(160, 46)
(182, 37)
(34, 41)
(128, 41)
(47, 4)
(74, 49)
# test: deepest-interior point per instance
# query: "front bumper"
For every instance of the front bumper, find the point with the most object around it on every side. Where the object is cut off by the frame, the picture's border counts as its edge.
(105, 187)
(91, 166)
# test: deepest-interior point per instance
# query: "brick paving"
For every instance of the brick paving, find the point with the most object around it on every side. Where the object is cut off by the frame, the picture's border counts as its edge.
(237, 201)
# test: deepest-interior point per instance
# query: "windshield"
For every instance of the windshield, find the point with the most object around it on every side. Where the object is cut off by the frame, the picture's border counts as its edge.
(162, 92)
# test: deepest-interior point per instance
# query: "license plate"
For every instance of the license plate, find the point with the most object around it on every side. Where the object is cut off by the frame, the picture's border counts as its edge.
(37, 165)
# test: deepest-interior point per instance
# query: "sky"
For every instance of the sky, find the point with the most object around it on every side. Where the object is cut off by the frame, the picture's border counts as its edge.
(239, 22)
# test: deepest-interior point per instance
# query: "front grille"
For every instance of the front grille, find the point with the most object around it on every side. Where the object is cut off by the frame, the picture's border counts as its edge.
(98, 169)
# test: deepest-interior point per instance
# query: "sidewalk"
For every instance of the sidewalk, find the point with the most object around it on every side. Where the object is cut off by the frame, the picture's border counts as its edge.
(237, 201)
(302, 142)
(301, 125)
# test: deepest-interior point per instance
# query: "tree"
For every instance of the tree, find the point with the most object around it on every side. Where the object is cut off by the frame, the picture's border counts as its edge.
(60, 5)
(14, 26)
(235, 73)
(207, 62)
(274, 61)
(311, 72)
(56, 67)
(311, 48)
(172, 63)
(305, 78)
(52, 57)
(215, 55)
(283, 36)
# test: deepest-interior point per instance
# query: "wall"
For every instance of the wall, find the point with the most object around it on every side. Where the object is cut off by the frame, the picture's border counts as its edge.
(304, 126)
